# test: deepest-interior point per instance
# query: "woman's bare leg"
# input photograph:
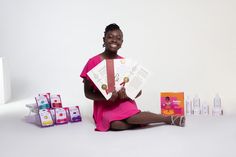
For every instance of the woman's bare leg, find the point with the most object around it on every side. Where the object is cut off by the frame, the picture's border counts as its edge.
(121, 125)
(143, 118)
(149, 117)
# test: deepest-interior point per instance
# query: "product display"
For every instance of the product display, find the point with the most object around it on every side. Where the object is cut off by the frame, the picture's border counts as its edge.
(202, 108)
(50, 111)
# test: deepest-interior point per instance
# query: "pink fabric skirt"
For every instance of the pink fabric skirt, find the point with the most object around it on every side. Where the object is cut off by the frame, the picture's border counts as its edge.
(106, 112)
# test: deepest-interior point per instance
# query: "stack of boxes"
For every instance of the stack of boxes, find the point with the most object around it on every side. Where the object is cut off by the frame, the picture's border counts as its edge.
(50, 111)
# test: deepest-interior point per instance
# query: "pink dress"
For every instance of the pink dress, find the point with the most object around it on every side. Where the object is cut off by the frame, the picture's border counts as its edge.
(103, 111)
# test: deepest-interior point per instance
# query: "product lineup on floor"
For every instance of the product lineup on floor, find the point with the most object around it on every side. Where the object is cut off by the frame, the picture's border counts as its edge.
(172, 103)
(48, 108)
(196, 107)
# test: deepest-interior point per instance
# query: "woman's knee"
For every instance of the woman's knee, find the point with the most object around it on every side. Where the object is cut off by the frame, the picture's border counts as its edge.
(119, 125)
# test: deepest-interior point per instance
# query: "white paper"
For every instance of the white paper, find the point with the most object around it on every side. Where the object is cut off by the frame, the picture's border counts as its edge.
(123, 69)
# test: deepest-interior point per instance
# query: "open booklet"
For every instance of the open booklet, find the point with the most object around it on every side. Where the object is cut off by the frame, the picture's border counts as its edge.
(110, 75)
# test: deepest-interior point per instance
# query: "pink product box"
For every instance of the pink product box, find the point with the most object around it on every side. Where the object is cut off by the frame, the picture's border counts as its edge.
(74, 114)
(61, 115)
(45, 118)
(56, 101)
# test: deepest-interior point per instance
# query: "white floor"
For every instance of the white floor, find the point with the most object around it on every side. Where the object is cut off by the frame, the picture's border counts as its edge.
(202, 136)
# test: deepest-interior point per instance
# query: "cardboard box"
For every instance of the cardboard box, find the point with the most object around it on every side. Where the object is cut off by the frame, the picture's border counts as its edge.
(172, 103)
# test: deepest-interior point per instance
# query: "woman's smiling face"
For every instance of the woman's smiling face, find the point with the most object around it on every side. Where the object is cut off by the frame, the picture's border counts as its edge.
(113, 40)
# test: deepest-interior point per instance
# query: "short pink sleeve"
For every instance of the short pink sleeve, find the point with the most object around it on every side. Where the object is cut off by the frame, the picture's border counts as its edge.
(85, 70)
(92, 62)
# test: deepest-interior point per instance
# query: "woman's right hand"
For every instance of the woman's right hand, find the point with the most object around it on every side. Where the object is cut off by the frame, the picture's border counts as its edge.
(114, 96)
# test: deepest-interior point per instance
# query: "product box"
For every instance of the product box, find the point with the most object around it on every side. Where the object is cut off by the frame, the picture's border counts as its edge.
(172, 103)
(47, 95)
(74, 114)
(42, 102)
(61, 115)
(56, 101)
(45, 117)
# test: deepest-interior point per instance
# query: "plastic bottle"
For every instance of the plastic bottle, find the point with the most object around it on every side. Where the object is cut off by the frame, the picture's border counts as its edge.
(196, 105)
(188, 104)
(205, 108)
(217, 109)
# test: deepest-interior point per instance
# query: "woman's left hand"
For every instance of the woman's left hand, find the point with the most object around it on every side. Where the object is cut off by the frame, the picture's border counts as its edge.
(122, 94)
(114, 96)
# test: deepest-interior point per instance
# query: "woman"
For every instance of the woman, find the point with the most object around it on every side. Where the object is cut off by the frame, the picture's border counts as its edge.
(119, 112)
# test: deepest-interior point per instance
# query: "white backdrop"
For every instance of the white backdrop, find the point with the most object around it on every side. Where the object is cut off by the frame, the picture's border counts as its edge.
(188, 45)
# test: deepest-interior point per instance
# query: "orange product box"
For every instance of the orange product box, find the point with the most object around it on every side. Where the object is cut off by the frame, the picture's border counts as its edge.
(172, 103)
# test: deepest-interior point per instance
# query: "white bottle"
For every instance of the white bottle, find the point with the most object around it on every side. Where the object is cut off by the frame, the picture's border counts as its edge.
(217, 109)
(196, 105)
(205, 108)
(188, 104)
